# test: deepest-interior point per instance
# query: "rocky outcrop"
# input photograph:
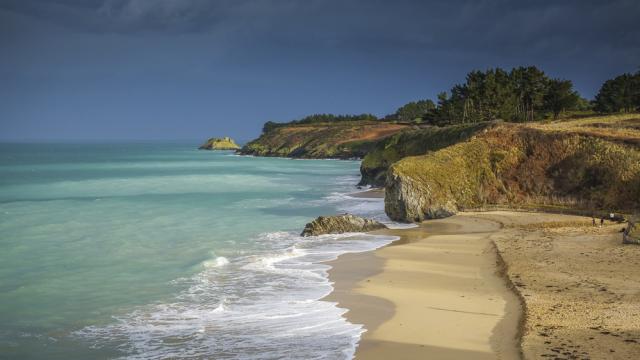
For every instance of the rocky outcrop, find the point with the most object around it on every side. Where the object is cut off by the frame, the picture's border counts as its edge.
(225, 143)
(516, 165)
(338, 140)
(407, 201)
(340, 224)
(631, 234)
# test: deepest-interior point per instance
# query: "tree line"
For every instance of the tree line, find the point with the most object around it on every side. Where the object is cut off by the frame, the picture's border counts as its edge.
(521, 94)
(320, 118)
(620, 94)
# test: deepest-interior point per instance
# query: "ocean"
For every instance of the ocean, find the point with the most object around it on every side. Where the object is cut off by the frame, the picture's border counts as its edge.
(158, 250)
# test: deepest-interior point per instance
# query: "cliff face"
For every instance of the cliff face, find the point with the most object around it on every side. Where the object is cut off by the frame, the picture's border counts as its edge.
(225, 143)
(340, 140)
(569, 164)
(410, 143)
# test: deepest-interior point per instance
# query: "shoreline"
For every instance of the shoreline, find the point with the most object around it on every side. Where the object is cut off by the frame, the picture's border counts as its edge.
(434, 293)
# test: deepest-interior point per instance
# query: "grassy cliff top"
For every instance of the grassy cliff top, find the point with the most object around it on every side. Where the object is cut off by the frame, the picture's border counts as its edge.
(344, 139)
(623, 128)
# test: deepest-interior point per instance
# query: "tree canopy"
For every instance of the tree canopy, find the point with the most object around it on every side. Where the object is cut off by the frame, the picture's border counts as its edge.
(320, 118)
(415, 110)
(522, 94)
(620, 94)
(560, 95)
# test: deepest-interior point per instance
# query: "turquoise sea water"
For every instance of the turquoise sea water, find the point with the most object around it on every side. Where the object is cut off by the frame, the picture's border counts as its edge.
(157, 251)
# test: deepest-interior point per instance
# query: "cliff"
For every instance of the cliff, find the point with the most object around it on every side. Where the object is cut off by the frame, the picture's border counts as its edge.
(589, 164)
(342, 140)
(410, 143)
(225, 143)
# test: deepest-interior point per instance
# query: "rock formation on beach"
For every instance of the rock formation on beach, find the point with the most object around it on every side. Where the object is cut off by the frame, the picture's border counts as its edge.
(593, 164)
(225, 143)
(340, 224)
(631, 234)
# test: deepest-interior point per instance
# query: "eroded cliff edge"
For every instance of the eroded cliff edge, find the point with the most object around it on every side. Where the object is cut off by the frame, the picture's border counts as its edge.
(585, 164)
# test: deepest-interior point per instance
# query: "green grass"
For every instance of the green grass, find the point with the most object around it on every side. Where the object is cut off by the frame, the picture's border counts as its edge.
(411, 143)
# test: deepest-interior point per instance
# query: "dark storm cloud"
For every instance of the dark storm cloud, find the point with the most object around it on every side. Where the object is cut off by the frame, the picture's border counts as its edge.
(131, 16)
(126, 66)
(487, 26)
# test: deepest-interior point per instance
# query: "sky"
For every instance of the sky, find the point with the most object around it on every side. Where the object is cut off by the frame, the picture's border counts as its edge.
(193, 69)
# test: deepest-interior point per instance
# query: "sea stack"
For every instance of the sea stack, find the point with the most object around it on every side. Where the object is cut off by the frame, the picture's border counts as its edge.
(225, 143)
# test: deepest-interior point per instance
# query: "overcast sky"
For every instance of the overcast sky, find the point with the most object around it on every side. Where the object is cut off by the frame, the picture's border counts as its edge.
(191, 69)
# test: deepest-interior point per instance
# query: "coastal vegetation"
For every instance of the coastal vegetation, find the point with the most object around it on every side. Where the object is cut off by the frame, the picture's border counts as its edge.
(340, 139)
(568, 164)
(320, 118)
(410, 143)
(620, 94)
(521, 94)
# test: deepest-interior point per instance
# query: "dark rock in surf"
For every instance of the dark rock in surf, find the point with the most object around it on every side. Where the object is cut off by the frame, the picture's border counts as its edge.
(340, 224)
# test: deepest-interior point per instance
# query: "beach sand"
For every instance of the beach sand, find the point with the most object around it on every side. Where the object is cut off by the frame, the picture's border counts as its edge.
(434, 294)
(580, 284)
(443, 291)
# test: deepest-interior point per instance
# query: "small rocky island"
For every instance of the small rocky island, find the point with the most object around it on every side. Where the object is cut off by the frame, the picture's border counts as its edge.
(225, 143)
(340, 224)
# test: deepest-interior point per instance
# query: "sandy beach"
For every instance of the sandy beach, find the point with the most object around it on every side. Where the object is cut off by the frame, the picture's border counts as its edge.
(495, 285)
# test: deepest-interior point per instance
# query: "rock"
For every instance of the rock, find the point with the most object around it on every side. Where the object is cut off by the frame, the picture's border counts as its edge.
(225, 143)
(407, 201)
(632, 233)
(340, 224)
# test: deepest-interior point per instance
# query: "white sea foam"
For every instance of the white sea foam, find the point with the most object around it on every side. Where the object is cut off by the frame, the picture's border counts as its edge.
(362, 206)
(217, 262)
(261, 306)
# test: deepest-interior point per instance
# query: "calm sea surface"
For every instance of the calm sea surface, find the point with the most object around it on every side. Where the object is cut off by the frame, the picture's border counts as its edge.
(157, 251)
